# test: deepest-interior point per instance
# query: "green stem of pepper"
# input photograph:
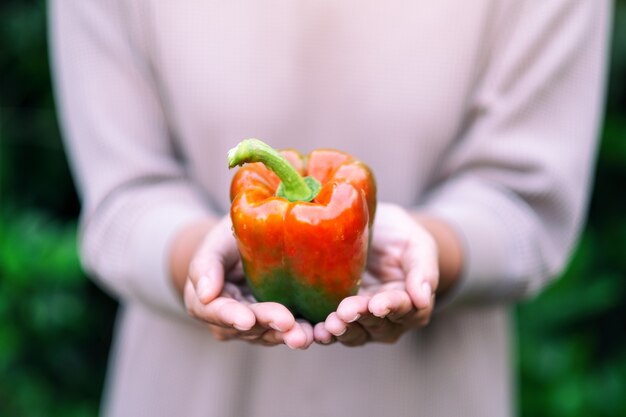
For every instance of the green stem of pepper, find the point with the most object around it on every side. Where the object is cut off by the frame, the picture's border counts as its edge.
(293, 186)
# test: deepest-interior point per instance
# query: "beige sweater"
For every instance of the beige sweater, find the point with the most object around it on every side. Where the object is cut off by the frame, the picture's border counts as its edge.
(484, 113)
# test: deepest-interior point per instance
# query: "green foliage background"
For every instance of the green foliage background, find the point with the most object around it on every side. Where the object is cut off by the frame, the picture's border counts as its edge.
(55, 326)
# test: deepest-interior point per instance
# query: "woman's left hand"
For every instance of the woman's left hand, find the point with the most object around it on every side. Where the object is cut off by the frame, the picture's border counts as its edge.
(399, 294)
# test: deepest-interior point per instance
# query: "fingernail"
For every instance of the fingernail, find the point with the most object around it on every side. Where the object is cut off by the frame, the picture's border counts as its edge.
(345, 329)
(275, 327)
(241, 327)
(358, 316)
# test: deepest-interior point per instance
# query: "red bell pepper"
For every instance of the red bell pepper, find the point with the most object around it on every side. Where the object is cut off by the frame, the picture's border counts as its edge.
(303, 240)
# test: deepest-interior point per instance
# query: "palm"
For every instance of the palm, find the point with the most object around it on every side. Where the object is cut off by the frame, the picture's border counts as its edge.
(225, 303)
(396, 292)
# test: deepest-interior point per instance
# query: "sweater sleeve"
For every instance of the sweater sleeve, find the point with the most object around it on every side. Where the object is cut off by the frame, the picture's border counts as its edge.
(134, 189)
(516, 185)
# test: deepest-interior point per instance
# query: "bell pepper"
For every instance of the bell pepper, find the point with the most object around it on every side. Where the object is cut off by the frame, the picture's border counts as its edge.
(302, 225)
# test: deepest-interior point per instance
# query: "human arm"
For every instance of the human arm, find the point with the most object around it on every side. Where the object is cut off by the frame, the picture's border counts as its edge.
(135, 192)
(140, 205)
(206, 270)
(413, 258)
(514, 187)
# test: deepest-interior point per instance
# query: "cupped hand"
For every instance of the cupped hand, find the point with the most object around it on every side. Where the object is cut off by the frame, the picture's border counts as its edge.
(216, 294)
(398, 293)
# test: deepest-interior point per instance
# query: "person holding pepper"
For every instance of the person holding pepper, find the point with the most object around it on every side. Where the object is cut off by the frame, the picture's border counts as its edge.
(479, 124)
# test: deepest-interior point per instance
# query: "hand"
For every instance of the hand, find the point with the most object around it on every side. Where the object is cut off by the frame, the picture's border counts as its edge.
(215, 293)
(399, 296)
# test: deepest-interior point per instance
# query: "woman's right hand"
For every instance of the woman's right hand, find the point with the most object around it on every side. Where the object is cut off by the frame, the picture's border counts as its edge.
(215, 292)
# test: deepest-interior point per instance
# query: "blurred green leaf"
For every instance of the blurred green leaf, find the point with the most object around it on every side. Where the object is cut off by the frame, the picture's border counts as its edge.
(54, 324)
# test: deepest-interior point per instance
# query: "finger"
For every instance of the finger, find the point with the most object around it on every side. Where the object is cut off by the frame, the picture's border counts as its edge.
(217, 312)
(308, 331)
(217, 253)
(335, 325)
(272, 338)
(227, 312)
(194, 307)
(300, 336)
(393, 305)
(422, 269)
(273, 315)
(422, 317)
(352, 308)
(352, 311)
(269, 316)
(355, 335)
(375, 325)
(253, 335)
(420, 292)
(206, 274)
(222, 333)
(302, 340)
(322, 336)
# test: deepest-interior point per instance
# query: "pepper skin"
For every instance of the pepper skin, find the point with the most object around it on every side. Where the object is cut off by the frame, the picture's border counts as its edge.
(306, 255)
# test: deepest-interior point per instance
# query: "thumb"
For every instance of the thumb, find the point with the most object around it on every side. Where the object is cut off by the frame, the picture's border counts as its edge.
(420, 264)
(217, 252)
